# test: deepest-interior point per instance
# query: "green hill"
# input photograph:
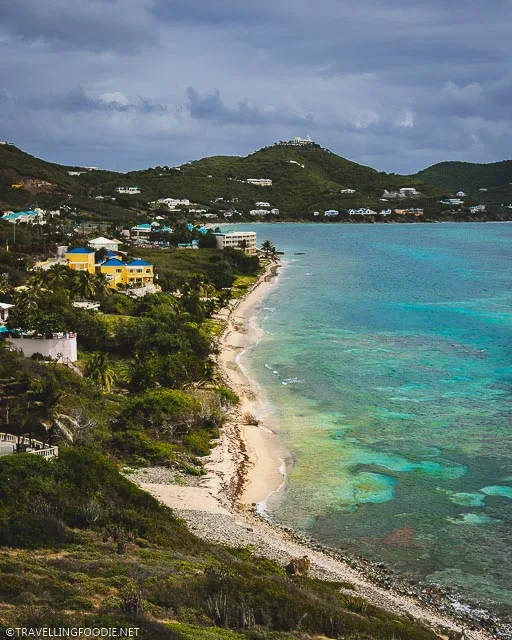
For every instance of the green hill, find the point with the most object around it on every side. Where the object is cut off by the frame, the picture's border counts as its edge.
(304, 179)
(495, 178)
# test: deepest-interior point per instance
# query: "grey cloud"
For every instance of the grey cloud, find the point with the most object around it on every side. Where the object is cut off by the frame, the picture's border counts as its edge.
(77, 100)
(99, 25)
(211, 107)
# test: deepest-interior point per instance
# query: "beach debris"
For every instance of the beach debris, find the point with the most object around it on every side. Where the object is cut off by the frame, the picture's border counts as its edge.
(298, 566)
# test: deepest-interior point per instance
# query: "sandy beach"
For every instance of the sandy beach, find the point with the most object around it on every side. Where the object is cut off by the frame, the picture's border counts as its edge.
(249, 465)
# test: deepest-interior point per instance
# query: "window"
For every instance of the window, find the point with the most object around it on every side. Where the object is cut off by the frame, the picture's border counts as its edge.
(118, 270)
(148, 270)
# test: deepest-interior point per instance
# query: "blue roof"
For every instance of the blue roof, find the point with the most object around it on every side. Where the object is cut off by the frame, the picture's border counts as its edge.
(18, 214)
(142, 226)
(3, 329)
(113, 262)
(112, 254)
(139, 263)
(81, 250)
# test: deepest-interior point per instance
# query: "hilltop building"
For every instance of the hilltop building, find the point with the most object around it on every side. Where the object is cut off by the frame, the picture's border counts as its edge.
(297, 142)
(245, 240)
(408, 192)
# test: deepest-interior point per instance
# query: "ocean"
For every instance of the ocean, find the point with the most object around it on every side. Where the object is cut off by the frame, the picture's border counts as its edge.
(386, 358)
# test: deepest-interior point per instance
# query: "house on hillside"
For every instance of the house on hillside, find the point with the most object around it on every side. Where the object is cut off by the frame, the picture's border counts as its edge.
(260, 182)
(331, 213)
(348, 191)
(128, 190)
(81, 259)
(136, 273)
(408, 192)
(460, 194)
(104, 243)
(478, 208)
(33, 216)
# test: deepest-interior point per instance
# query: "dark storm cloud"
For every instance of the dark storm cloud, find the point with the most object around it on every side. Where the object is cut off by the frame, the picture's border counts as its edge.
(399, 84)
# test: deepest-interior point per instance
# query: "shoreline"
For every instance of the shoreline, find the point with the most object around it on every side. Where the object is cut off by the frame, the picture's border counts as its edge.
(249, 466)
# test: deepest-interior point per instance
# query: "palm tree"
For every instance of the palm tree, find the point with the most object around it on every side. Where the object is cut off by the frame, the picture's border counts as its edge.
(98, 370)
(267, 247)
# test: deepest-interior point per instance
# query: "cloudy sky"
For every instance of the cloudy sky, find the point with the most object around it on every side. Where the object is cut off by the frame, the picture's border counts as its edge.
(123, 84)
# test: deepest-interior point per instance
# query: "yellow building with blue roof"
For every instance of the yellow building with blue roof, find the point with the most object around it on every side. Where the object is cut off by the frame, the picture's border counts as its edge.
(136, 273)
(81, 259)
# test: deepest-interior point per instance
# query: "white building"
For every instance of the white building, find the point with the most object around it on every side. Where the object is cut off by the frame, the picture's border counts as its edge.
(4, 311)
(298, 142)
(407, 192)
(76, 173)
(385, 212)
(174, 202)
(104, 243)
(331, 213)
(128, 190)
(245, 240)
(460, 194)
(274, 211)
(478, 208)
(262, 204)
(482, 189)
(260, 182)
(348, 191)
(61, 347)
(363, 211)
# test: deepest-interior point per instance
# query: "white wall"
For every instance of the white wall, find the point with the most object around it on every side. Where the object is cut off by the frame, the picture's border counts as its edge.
(60, 349)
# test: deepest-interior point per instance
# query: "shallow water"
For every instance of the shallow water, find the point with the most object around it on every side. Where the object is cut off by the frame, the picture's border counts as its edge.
(387, 358)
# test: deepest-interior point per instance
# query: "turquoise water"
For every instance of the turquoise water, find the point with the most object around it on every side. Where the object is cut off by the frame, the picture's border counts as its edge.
(387, 358)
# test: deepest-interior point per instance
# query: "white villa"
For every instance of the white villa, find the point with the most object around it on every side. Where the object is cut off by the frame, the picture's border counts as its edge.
(460, 194)
(128, 190)
(348, 191)
(330, 213)
(104, 243)
(260, 182)
(262, 204)
(174, 202)
(478, 208)
(363, 211)
(245, 240)
(274, 211)
(407, 192)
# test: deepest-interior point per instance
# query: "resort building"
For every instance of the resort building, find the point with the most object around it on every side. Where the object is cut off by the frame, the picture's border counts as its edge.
(81, 259)
(104, 243)
(245, 240)
(260, 182)
(128, 190)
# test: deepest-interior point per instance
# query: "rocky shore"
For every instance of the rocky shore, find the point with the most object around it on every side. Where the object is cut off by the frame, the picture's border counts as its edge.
(243, 470)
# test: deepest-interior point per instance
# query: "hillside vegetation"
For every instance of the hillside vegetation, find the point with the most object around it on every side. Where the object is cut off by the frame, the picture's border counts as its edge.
(305, 179)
